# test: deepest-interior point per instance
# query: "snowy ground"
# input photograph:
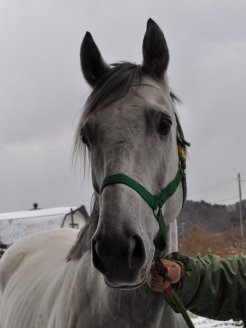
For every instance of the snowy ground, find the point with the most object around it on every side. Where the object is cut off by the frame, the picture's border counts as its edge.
(206, 323)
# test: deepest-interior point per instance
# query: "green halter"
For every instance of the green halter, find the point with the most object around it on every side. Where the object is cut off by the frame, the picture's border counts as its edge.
(157, 201)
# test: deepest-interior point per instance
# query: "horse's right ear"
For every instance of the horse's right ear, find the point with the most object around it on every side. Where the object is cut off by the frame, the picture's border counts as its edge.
(155, 51)
(92, 64)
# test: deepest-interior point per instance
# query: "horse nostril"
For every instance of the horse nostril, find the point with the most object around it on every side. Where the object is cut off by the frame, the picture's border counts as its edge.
(136, 253)
(97, 261)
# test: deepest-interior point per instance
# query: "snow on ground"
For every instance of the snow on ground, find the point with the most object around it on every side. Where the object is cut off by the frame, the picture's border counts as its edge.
(200, 322)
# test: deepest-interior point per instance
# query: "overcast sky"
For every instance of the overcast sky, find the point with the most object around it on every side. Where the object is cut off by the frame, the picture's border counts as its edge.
(42, 91)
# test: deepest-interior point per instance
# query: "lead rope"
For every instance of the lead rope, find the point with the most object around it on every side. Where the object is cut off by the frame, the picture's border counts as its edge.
(175, 298)
(182, 309)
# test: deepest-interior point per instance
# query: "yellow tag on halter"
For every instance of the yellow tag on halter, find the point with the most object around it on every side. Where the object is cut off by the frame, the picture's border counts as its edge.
(181, 152)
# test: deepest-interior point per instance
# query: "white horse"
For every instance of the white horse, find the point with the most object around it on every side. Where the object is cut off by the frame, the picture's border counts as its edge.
(129, 127)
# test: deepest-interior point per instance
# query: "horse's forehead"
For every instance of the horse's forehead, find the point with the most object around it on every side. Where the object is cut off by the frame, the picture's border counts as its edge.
(138, 100)
(155, 96)
(159, 92)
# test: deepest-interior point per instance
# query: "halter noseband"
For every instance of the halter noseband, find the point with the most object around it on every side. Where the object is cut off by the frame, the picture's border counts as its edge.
(157, 201)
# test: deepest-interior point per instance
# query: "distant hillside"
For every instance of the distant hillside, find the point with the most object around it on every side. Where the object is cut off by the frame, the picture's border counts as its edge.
(215, 218)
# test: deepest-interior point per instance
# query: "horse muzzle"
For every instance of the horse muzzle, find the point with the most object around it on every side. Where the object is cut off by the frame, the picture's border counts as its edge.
(121, 259)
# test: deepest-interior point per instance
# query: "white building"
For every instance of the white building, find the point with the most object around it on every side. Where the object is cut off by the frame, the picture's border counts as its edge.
(16, 225)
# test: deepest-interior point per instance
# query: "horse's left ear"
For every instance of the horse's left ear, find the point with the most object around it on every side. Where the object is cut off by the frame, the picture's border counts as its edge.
(92, 64)
(155, 51)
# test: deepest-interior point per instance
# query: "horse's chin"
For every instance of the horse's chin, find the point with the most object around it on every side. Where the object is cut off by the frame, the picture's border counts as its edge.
(126, 286)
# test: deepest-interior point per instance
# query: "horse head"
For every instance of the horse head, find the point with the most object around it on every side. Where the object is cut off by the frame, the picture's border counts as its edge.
(129, 127)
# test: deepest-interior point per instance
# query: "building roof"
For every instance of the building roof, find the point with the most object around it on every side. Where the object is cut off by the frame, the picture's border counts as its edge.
(15, 225)
(36, 213)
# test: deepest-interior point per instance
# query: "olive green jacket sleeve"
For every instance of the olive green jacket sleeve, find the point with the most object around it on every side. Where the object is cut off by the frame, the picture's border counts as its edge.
(212, 286)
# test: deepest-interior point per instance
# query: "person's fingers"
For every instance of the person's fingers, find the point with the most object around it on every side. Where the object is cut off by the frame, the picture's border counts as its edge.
(154, 273)
(154, 280)
(170, 272)
(158, 285)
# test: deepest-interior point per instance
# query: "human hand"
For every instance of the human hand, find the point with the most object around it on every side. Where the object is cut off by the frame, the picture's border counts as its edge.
(159, 283)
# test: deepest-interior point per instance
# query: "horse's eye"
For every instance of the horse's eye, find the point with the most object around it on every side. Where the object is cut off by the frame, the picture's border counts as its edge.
(164, 125)
(84, 138)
